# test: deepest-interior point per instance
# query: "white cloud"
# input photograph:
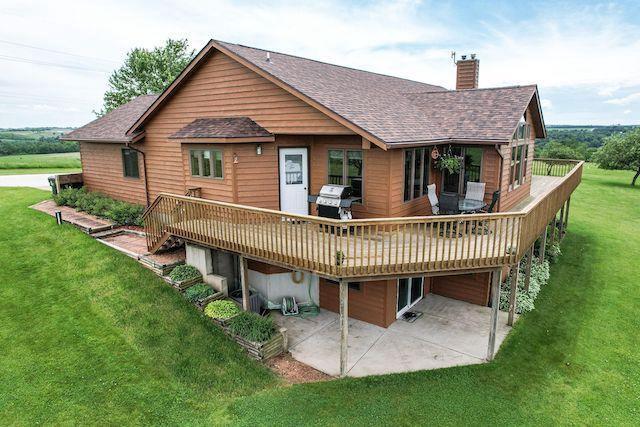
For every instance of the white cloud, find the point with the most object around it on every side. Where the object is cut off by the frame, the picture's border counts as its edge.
(625, 100)
(546, 104)
(626, 112)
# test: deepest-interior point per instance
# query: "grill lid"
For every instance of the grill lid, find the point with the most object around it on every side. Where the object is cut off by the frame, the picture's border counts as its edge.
(332, 191)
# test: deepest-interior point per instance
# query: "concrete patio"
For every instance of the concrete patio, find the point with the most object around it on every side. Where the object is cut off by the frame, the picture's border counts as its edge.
(450, 333)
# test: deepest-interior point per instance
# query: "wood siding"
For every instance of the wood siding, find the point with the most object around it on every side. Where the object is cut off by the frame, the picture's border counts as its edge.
(102, 171)
(473, 288)
(222, 87)
(372, 303)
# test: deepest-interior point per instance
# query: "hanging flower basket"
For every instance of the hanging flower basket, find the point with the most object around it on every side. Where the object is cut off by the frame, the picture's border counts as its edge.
(449, 162)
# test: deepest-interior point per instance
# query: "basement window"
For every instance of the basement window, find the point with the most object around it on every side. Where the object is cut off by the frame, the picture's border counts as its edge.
(353, 286)
(130, 163)
(206, 163)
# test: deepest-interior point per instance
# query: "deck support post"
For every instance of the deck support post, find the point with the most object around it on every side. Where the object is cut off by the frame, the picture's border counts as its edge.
(566, 213)
(561, 227)
(344, 326)
(553, 228)
(513, 293)
(244, 282)
(527, 274)
(543, 244)
(496, 278)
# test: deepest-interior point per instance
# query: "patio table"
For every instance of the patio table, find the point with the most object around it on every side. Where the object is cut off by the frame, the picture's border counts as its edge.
(470, 205)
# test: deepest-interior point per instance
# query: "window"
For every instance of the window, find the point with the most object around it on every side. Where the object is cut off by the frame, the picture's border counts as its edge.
(130, 163)
(345, 168)
(206, 163)
(519, 153)
(416, 173)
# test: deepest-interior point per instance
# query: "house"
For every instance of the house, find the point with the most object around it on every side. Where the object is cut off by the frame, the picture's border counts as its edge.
(252, 133)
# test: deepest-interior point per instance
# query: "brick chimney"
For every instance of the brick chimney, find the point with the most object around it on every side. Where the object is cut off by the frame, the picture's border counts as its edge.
(468, 69)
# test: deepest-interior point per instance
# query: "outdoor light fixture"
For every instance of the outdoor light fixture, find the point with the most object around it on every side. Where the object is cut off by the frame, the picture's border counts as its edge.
(235, 158)
(259, 149)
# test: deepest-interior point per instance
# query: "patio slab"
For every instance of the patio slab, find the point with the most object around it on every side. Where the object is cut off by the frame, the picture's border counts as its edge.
(84, 221)
(449, 333)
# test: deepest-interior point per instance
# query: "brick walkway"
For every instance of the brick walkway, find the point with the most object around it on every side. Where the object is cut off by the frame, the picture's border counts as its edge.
(84, 221)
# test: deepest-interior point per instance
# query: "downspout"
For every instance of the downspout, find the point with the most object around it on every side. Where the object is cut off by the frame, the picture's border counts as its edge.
(144, 170)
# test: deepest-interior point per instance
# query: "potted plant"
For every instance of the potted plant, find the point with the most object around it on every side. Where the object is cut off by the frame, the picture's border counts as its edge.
(340, 256)
(259, 336)
(449, 162)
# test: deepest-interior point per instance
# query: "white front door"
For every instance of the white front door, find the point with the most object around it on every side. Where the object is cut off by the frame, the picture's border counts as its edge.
(294, 180)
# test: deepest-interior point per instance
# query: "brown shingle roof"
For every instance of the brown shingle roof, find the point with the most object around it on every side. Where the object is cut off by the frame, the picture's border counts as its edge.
(474, 114)
(228, 127)
(113, 126)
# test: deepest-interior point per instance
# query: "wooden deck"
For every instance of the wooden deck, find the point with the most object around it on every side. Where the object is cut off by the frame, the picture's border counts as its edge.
(364, 248)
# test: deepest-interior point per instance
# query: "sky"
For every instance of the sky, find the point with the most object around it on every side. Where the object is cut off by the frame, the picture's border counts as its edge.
(56, 57)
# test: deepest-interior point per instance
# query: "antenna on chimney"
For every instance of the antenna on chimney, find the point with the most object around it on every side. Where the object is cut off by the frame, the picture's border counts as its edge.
(453, 56)
(268, 56)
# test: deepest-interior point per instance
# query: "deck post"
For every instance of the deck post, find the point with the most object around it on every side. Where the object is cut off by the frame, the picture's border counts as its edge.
(496, 278)
(344, 326)
(244, 282)
(527, 274)
(566, 213)
(513, 293)
(553, 228)
(543, 244)
(561, 228)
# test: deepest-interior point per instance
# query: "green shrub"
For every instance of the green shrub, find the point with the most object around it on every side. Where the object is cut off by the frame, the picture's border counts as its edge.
(125, 213)
(553, 252)
(198, 292)
(184, 272)
(221, 309)
(122, 213)
(69, 196)
(525, 300)
(252, 327)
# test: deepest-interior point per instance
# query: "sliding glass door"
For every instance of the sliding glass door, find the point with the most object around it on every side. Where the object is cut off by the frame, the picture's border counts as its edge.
(471, 170)
(410, 291)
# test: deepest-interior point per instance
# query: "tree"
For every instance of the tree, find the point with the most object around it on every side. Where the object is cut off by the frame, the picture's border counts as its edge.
(557, 150)
(621, 151)
(146, 72)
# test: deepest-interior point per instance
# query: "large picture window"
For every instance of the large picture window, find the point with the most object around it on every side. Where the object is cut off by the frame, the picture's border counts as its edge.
(130, 163)
(345, 168)
(206, 163)
(519, 153)
(416, 173)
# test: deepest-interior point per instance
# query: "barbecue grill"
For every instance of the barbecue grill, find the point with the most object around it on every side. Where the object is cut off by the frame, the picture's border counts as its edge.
(334, 201)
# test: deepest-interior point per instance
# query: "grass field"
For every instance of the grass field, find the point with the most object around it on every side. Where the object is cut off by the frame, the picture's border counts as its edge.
(91, 337)
(40, 163)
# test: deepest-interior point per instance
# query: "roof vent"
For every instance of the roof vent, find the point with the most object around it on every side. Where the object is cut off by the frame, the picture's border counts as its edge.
(268, 56)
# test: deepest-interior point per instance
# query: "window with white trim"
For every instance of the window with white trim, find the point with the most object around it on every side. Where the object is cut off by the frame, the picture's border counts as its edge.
(206, 163)
(416, 172)
(519, 153)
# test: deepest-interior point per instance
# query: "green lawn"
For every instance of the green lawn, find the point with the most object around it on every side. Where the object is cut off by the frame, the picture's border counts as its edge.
(39, 163)
(89, 336)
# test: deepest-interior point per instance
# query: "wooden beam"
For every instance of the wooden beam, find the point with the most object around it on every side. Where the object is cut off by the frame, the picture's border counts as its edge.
(543, 244)
(344, 326)
(496, 278)
(366, 144)
(566, 214)
(527, 274)
(553, 228)
(513, 293)
(561, 228)
(244, 282)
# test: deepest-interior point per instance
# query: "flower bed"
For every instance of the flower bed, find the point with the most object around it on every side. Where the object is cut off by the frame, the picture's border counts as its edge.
(122, 213)
(184, 276)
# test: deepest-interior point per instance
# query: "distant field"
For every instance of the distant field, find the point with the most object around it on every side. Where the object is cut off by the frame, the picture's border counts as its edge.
(39, 163)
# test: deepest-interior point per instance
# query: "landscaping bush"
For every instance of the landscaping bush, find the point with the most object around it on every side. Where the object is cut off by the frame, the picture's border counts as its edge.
(221, 309)
(198, 292)
(122, 213)
(553, 252)
(184, 272)
(125, 213)
(252, 327)
(525, 300)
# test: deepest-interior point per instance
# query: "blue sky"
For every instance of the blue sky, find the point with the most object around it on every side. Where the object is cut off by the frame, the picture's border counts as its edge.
(55, 57)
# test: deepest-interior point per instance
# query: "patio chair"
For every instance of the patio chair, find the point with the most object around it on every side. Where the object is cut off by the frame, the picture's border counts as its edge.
(433, 199)
(494, 201)
(475, 190)
(449, 203)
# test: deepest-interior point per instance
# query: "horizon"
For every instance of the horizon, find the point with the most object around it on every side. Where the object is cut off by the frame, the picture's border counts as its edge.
(572, 50)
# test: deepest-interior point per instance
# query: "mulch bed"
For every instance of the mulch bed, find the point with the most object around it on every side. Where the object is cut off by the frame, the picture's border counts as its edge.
(294, 372)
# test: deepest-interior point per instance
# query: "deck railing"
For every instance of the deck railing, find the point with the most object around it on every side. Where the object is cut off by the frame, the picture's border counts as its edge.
(356, 248)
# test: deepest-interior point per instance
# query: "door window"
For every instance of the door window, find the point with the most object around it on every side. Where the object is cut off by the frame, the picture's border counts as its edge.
(293, 168)
(410, 291)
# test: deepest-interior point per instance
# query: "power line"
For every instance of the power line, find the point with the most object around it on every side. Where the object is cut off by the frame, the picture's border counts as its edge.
(49, 64)
(59, 52)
